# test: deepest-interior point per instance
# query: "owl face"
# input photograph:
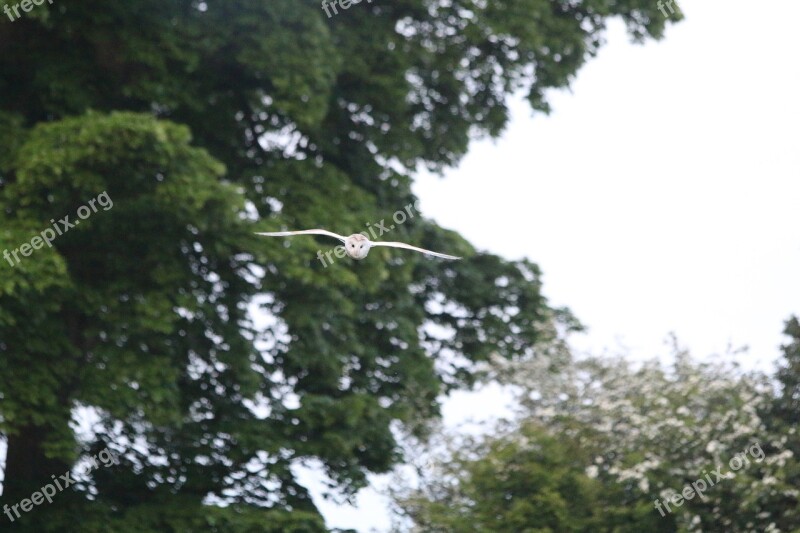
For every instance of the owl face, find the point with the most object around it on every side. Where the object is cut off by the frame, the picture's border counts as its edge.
(357, 246)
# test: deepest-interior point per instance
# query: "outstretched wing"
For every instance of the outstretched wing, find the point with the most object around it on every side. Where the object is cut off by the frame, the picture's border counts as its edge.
(303, 232)
(409, 247)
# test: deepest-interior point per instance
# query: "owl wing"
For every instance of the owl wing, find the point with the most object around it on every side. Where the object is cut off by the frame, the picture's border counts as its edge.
(409, 247)
(304, 232)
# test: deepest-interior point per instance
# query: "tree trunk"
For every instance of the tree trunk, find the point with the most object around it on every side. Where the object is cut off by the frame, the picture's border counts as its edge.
(27, 469)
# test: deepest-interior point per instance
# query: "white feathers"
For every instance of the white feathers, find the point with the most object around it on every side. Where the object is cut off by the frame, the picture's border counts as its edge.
(409, 247)
(304, 232)
(357, 245)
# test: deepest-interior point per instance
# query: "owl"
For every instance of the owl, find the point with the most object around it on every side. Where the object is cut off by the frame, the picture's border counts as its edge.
(357, 245)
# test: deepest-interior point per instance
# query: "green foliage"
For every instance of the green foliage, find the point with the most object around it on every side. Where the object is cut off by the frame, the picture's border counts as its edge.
(140, 314)
(599, 441)
(530, 481)
(175, 515)
(80, 325)
(787, 405)
(782, 417)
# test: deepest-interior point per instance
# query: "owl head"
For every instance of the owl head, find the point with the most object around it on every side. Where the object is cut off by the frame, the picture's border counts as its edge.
(357, 246)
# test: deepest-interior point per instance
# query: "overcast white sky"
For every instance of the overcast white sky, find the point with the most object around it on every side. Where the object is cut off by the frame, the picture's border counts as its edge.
(661, 195)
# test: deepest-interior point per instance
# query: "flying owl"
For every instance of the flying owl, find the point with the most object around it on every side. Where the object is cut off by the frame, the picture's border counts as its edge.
(357, 245)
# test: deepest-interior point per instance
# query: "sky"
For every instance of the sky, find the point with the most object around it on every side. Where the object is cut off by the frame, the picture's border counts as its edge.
(661, 195)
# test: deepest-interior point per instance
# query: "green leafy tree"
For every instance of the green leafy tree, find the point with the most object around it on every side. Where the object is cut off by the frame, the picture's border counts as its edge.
(140, 315)
(782, 417)
(528, 481)
(599, 442)
(787, 404)
(656, 428)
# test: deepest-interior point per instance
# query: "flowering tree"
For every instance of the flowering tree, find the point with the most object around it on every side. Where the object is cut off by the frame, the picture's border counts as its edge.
(683, 446)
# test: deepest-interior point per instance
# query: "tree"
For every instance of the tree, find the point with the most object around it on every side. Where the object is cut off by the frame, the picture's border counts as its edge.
(296, 121)
(608, 445)
(787, 404)
(528, 481)
(782, 418)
